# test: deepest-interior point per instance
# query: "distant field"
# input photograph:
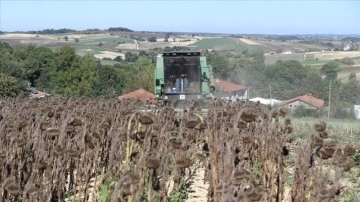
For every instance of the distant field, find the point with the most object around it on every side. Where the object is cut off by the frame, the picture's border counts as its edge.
(310, 58)
(271, 59)
(227, 43)
(113, 40)
(109, 54)
(346, 70)
(145, 45)
(248, 41)
(117, 43)
(336, 55)
(357, 60)
(290, 45)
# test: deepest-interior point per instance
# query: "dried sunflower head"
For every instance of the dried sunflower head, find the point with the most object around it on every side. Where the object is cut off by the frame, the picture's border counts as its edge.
(13, 187)
(146, 119)
(321, 126)
(176, 142)
(192, 123)
(248, 115)
(349, 150)
(183, 163)
(53, 131)
(76, 122)
(152, 162)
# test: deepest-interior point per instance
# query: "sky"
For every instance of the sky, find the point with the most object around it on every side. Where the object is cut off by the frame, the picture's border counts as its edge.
(230, 17)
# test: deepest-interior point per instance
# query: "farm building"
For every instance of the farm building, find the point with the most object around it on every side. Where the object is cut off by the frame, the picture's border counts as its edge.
(307, 101)
(227, 90)
(265, 101)
(139, 94)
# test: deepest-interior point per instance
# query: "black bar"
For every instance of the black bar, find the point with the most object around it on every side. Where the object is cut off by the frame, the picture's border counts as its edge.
(176, 54)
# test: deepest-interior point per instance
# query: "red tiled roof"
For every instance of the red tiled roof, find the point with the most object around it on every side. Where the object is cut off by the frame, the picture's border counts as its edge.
(140, 94)
(227, 86)
(308, 98)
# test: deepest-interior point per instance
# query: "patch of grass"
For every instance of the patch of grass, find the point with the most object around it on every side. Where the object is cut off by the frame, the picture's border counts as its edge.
(113, 40)
(227, 43)
(356, 159)
(179, 195)
(352, 176)
(310, 57)
(288, 180)
(274, 58)
(331, 123)
(109, 62)
(350, 198)
(344, 130)
(104, 190)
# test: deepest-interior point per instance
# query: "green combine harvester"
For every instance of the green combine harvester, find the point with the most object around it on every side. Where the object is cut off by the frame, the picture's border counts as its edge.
(182, 77)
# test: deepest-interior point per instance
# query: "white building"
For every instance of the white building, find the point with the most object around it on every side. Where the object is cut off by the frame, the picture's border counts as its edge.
(265, 101)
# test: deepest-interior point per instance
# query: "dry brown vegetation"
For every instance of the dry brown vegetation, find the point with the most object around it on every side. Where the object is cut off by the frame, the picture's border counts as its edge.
(336, 55)
(80, 150)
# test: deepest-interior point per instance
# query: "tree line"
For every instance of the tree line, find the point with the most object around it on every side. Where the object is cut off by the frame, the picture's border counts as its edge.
(63, 72)
(65, 30)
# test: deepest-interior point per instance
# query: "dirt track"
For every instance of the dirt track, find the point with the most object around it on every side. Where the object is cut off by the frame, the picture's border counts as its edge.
(199, 187)
(249, 42)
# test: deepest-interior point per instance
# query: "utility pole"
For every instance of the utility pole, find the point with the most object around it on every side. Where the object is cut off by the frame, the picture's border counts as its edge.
(329, 99)
(270, 91)
(248, 93)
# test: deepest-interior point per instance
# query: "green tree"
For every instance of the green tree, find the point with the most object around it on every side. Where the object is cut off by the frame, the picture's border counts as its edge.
(347, 61)
(152, 39)
(249, 69)
(118, 58)
(76, 40)
(220, 65)
(130, 57)
(242, 66)
(350, 92)
(9, 86)
(109, 82)
(143, 53)
(145, 76)
(330, 70)
(5, 48)
(166, 38)
(72, 75)
(290, 79)
(65, 58)
(352, 76)
(21, 53)
(37, 65)
(66, 38)
(86, 75)
(167, 49)
(9, 64)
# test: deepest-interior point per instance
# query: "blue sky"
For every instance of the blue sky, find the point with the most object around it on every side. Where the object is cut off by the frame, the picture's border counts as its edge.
(237, 16)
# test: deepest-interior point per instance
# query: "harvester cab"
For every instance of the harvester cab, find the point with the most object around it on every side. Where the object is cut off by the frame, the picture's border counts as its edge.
(182, 76)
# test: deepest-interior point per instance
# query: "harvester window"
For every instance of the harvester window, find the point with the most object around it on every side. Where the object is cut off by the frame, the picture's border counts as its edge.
(182, 74)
